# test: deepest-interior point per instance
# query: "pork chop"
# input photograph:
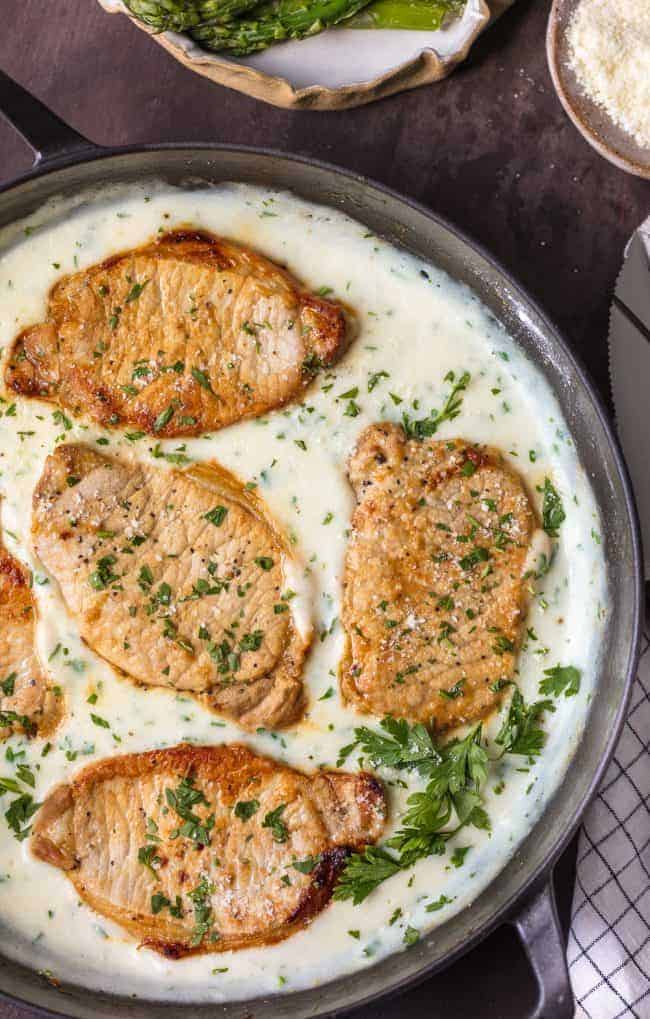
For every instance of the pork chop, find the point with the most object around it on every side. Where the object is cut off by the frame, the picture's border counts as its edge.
(434, 590)
(206, 849)
(28, 704)
(176, 580)
(183, 336)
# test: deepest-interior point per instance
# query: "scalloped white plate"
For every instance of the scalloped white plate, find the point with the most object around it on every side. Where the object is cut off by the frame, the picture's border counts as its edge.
(339, 68)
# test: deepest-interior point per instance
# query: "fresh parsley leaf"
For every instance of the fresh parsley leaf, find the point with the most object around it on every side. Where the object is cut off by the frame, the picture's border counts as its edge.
(403, 747)
(456, 772)
(19, 813)
(458, 855)
(520, 732)
(147, 856)
(561, 679)
(364, 872)
(454, 787)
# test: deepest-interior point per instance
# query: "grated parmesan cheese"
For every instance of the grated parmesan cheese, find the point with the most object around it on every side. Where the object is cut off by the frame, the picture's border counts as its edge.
(609, 52)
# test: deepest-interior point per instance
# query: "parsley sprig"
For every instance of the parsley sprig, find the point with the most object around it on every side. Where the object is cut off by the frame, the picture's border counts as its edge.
(520, 732)
(403, 747)
(456, 773)
(450, 800)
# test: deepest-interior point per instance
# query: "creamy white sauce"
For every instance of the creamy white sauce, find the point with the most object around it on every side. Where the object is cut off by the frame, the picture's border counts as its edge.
(417, 329)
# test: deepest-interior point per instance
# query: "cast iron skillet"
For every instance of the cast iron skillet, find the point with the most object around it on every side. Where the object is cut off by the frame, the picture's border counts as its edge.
(65, 164)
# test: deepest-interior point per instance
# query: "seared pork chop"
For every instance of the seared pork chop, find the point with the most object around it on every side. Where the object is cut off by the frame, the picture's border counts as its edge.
(206, 849)
(28, 703)
(434, 577)
(177, 579)
(183, 336)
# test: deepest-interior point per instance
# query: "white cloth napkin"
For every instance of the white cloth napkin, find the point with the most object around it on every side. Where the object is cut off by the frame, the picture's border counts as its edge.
(609, 942)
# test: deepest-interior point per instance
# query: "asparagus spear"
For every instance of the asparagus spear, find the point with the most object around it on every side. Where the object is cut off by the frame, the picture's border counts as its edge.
(274, 21)
(180, 15)
(427, 15)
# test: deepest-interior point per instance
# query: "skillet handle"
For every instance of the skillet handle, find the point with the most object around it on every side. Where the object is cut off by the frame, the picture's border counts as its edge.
(539, 928)
(49, 137)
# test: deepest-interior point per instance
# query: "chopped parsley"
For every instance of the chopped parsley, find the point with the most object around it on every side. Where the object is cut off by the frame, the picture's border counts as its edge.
(553, 515)
(160, 901)
(375, 378)
(217, 515)
(264, 562)
(245, 809)
(103, 574)
(273, 820)
(182, 800)
(164, 418)
(433, 907)
(202, 379)
(479, 554)
(458, 855)
(135, 292)
(147, 856)
(99, 721)
(7, 685)
(203, 915)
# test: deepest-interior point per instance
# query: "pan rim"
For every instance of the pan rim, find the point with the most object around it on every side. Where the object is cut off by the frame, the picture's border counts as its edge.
(530, 883)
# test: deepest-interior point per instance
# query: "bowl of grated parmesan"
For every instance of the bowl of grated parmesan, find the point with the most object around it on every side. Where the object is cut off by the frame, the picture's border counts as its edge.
(599, 59)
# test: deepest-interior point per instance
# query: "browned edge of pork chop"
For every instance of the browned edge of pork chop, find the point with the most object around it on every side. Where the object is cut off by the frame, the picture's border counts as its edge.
(435, 588)
(256, 863)
(179, 579)
(184, 335)
(28, 703)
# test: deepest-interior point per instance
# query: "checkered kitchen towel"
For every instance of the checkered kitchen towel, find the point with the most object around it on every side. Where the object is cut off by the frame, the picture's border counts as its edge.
(609, 942)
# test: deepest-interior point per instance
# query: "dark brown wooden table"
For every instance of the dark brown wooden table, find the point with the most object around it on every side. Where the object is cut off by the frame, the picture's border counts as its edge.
(489, 148)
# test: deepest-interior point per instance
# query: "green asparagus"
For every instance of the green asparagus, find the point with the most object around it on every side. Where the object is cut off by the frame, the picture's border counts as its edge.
(423, 15)
(219, 25)
(275, 21)
(181, 15)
